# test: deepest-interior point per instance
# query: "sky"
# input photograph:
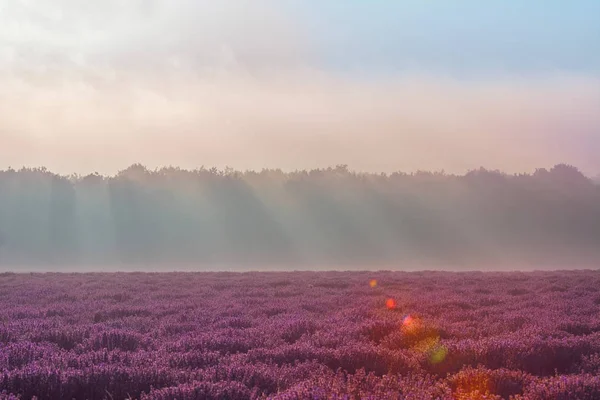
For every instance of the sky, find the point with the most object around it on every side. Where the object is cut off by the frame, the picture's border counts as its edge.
(378, 85)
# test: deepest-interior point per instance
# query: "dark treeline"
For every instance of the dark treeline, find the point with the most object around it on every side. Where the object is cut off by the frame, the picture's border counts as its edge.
(330, 217)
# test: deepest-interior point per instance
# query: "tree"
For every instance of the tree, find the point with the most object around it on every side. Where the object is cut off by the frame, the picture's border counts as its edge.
(567, 175)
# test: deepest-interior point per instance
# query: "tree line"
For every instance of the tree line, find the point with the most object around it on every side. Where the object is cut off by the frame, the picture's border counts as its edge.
(329, 217)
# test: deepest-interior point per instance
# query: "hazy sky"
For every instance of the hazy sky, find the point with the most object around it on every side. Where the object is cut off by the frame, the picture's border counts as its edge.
(379, 85)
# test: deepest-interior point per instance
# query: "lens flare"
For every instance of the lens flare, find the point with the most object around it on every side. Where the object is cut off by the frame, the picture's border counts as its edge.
(411, 324)
(427, 345)
(427, 339)
(373, 283)
(390, 304)
(438, 354)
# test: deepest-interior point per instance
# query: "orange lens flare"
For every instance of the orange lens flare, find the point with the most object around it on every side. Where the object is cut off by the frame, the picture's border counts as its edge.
(390, 304)
(373, 283)
(411, 324)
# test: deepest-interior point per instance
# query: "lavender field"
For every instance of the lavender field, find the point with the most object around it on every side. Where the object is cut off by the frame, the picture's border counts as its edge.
(298, 335)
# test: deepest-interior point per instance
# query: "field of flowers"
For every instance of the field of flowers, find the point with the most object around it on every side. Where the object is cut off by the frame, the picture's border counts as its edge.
(298, 335)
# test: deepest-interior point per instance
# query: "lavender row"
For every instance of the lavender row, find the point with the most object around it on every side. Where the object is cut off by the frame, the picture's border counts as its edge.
(301, 335)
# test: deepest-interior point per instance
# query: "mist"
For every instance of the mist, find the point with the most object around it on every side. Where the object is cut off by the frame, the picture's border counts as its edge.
(334, 218)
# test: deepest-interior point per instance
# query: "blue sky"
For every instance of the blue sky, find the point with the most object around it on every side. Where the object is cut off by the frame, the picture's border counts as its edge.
(455, 37)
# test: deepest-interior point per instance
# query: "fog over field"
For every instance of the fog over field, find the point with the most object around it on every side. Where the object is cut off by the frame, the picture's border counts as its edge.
(206, 219)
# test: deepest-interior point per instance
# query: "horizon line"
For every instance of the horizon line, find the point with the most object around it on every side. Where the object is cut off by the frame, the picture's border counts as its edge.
(227, 171)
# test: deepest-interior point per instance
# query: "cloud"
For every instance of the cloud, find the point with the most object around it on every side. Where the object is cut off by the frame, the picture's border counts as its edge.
(147, 34)
(95, 87)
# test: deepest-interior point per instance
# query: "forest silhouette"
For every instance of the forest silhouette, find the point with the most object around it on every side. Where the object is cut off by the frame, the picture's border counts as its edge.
(328, 217)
